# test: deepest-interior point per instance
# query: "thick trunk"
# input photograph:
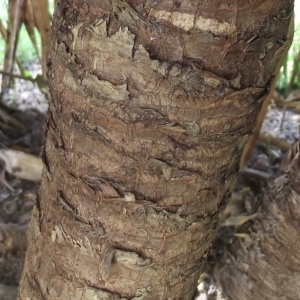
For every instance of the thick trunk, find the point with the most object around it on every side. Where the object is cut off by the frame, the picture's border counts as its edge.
(263, 262)
(151, 105)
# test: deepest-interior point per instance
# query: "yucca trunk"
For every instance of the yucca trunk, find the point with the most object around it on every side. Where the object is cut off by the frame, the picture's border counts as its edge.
(151, 105)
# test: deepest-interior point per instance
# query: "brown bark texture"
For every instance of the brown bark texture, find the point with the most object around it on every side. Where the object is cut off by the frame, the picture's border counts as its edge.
(151, 104)
(263, 262)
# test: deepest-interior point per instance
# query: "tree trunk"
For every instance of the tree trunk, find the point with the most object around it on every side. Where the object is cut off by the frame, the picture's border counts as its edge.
(151, 105)
(263, 262)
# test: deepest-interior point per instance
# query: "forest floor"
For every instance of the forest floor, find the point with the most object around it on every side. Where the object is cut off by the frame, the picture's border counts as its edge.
(28, 105)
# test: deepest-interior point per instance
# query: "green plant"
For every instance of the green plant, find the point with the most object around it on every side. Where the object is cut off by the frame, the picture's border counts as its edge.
(290, 72)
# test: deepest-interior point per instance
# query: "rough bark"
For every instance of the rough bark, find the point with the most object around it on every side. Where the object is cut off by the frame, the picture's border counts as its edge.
(264, 260)
(151, 104)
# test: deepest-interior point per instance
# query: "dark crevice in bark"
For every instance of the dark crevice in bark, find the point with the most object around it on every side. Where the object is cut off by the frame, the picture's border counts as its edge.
(181, 170)
(112, 25)
(119, 187)
(107, 79)
(76, 117)
(147, 115)
(65, 204)
(178, 144)
(40, 211)
(35, 283)
(96, 132)
(214, 177)
(94, 182)
(143, 29)
(69, 208)
(45, 159)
